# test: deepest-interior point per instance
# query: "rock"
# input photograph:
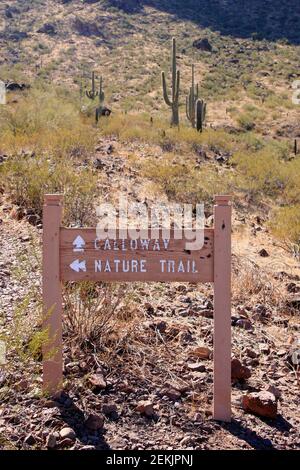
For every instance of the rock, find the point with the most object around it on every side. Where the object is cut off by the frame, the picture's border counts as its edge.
(239, 371)
(202, 44)
(2, 378)
(51, 441)
(29, 440)
(145, 408)
(103, 111)
(94, 422)
(86, 28)
(264, 349)
(48, 28)
(260, 403)
(293, 288)
(206, 313)
(201, 352)
(66, 443)
(126, 388)
(98, 164)
(196, 366)
(244, 323)
(293, 302)
(67, 433)
(260, 312)
(173, 394)
(250, 353)
(263, 253)
(160, 326)
(110, 410)
(275, 391)
(14, 86)
(281, 352)
(97, 382)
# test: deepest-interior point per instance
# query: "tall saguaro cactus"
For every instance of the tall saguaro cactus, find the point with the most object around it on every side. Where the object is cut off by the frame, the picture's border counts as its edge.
(200, 111)
(191, 100)
(92, 94)
(174, 101)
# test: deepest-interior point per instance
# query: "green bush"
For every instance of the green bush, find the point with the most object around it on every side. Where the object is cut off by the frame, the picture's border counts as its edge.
(27, 179)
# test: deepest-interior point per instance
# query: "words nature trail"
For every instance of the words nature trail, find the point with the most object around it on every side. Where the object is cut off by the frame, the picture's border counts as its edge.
(72, 254)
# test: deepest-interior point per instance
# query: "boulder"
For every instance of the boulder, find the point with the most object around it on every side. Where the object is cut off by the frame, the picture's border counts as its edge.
(260, 403)
(202, 44)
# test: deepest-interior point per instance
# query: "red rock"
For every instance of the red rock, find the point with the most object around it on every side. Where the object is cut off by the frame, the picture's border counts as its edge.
(239, 371)
(260, 403)
(201, 352)
(146, 408)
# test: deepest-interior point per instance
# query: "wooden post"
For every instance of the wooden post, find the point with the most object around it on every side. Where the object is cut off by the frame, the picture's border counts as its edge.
(222, 309)
(52, 295)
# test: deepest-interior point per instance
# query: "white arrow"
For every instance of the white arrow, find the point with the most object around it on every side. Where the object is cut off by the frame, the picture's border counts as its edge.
(78, 244)
(78, 266)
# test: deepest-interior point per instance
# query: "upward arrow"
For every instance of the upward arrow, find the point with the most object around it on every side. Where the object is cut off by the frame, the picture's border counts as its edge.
(78, 244)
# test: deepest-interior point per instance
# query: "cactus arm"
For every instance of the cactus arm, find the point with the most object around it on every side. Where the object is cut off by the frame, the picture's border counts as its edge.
(177, 88)
(165, 93)
(187, 107)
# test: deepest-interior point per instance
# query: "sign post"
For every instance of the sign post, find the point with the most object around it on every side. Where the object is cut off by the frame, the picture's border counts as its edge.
(72, 254)
(222, 309)
(52, 295)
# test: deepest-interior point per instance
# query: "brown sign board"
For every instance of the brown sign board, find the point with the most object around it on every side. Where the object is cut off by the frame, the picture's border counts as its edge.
(85, 257)
(77, 254)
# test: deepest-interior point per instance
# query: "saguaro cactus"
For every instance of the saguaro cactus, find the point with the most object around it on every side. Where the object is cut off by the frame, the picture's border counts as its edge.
(200, 111)
(92, 94)
(174, 102)
(191, 100)
(101, 100)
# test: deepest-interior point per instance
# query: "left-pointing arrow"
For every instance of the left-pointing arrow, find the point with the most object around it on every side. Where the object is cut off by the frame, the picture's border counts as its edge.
(78, 266)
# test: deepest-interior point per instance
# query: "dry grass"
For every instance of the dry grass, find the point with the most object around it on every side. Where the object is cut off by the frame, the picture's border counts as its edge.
(252, 285)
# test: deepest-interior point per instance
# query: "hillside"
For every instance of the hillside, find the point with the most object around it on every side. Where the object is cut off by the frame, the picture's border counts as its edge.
(127, 345)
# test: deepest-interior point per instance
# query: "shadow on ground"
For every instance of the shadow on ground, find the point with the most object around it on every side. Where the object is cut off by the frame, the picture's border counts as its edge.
(269, 19)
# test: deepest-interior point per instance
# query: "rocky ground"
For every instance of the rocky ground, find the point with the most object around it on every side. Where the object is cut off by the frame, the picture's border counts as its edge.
(150, 385)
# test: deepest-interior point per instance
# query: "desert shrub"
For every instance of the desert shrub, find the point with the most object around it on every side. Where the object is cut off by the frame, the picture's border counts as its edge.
(183, 183)
(246, 121)
(252, 285)
(45, 119)
(260, 173)
(27, 179)
(285, 226)
(98, 315)
(251, 141)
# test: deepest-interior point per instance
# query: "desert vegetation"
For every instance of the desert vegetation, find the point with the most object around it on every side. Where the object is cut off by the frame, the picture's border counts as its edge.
(95, 109)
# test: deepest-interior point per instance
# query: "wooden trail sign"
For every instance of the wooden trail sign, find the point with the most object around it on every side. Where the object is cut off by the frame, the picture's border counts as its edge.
(78, 255)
